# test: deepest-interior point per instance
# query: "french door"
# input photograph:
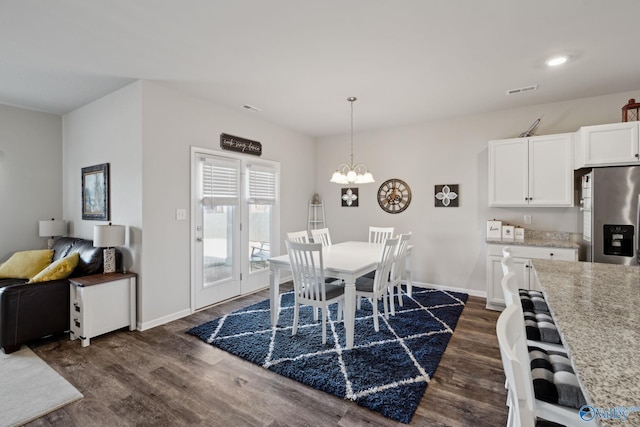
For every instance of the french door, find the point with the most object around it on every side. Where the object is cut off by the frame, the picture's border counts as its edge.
(235, 225)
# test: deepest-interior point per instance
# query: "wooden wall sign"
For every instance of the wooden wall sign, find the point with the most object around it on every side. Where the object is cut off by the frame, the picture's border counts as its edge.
(241, 145)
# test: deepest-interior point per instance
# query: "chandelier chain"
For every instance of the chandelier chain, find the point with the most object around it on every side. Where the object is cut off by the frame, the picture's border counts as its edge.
(352, 100)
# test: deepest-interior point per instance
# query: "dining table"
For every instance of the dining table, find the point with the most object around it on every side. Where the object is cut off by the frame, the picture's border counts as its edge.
(596, 308)
(347, 261)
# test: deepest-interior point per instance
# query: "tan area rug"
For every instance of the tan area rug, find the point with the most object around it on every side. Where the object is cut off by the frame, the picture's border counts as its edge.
(29, 388)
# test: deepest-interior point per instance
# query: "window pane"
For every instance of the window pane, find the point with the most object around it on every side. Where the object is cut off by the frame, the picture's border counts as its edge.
(259, 236)
(217, 235)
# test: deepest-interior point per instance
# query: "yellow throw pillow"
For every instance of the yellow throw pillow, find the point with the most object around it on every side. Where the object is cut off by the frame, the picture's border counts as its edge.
(60, 269)
(25, 264)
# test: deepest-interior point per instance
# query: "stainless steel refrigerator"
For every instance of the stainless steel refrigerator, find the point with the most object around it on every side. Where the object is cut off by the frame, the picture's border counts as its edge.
(609, 212)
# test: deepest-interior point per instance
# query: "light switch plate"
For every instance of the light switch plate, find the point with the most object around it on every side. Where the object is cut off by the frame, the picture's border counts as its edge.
(181, 214)
(527, 219)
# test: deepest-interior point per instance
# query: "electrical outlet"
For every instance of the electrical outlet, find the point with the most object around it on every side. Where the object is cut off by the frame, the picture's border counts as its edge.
(181, 214)
(527, 219)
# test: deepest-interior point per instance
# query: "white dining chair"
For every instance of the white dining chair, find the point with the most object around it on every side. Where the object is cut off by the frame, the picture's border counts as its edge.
(398, 272)
(507, 265)
(377, 288)
(298, 236)
(309, 283)
(524, 407)
(539, 326)
(321, 235)
(380, 234)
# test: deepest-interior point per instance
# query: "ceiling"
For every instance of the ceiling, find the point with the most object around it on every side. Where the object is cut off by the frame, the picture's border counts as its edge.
(298, 60)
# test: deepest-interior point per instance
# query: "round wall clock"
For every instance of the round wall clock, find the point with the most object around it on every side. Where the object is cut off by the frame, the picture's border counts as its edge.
(394, 196)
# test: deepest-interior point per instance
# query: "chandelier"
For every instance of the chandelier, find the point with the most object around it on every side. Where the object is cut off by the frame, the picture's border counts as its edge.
(352, 173)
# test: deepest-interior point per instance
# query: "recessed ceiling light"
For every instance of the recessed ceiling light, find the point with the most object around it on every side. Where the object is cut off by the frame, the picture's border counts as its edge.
(556, 60)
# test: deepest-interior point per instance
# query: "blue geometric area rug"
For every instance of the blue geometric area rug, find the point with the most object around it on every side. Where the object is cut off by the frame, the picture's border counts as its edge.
(386, 371)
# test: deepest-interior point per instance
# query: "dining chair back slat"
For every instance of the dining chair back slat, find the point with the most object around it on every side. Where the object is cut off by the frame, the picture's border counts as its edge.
(507, 264)
(398, 271)
(510, 289)
(298, 236)
(380, 234)
(321, 235)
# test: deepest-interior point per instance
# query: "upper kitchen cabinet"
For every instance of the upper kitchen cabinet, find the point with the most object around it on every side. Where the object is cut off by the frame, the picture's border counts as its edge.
(535, 171)
(607, 145)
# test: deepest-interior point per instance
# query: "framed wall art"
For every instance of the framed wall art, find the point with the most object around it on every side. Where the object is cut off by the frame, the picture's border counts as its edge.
(95, 192)
(349, 197)
(447, 196)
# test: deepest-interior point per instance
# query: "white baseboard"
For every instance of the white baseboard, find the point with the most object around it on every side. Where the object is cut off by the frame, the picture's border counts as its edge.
(164, 319)
(473, 292)
(183, 313)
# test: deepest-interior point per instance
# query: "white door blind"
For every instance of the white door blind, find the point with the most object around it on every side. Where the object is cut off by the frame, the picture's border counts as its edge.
(262, 185)
(220, 182)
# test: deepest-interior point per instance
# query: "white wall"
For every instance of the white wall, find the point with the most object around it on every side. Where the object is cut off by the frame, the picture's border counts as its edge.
(107, 131)
(172, 123)
(30, 176)
(145, 132)
(449, 242)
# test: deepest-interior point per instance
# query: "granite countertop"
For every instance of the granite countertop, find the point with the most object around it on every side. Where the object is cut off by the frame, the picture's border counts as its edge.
(597, 311)
(547, 239)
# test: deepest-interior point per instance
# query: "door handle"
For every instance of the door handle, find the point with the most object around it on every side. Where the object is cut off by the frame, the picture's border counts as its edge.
(198, 239)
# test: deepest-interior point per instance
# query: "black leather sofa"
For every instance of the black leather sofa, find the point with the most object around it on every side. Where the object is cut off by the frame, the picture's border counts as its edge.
(32, 311)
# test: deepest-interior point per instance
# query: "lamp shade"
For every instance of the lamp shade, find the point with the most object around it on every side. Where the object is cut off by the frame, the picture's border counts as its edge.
(52, 227)
(106, 236)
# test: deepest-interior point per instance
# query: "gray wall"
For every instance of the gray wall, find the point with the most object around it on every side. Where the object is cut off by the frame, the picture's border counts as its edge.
(449, 242)
(30, 176)
(146, 131)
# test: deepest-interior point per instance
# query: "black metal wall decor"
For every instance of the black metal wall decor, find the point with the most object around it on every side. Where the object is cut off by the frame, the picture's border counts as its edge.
(349, 197)
(240, 145)
(447, 196)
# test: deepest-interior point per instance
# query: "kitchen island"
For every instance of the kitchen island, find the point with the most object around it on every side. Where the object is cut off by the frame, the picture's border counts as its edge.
(596, 308)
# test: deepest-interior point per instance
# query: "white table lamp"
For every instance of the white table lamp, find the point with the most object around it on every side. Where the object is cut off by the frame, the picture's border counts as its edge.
(108, 236)
(52, 228)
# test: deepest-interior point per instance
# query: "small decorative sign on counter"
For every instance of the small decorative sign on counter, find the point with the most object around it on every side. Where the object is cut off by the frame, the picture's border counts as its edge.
(241, 145)
(494, 229)
(519, 234)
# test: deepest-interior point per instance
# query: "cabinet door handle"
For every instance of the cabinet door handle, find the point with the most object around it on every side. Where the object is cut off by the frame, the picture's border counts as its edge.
(551, 254)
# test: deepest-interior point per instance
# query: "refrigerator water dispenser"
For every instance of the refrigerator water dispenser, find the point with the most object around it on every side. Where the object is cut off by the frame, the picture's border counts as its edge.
(618, 240)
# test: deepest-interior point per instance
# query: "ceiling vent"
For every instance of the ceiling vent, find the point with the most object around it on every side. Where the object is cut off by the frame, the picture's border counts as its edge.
(522, 89)
(251, 108)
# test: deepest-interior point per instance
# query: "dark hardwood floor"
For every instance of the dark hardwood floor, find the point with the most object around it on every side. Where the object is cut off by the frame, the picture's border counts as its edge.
(165, 377)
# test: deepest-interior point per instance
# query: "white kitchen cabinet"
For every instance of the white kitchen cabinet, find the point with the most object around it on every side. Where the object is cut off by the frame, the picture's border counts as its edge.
(607, 145)
(522, 256)
(535, 171)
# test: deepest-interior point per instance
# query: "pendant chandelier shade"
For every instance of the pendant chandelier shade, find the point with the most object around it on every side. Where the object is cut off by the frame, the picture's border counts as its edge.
(350, 173)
